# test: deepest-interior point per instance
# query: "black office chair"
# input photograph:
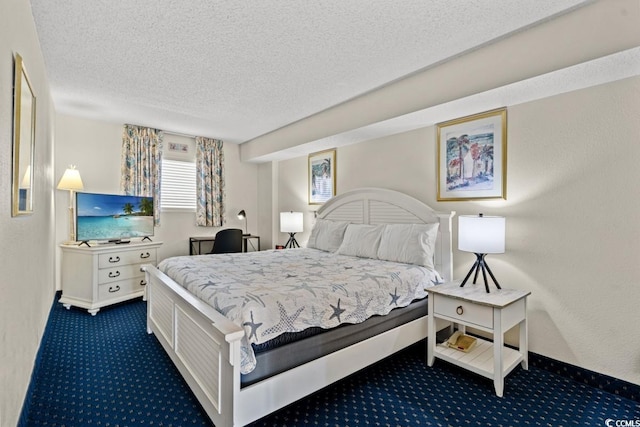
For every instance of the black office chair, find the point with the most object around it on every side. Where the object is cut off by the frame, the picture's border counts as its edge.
(227, 241)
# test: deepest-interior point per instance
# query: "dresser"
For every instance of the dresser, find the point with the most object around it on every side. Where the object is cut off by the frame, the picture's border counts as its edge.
(101, 275)
(494, 313)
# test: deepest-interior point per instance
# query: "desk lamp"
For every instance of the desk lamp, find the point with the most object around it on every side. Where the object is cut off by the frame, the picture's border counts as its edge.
(243, 215)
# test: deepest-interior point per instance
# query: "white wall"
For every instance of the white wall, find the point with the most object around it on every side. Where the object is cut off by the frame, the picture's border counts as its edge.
(26, 261)
(571, 209)
(94, 147)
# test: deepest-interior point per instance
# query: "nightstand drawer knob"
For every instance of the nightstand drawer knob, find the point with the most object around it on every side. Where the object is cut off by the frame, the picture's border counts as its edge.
(114, 274)
(145, 255)
(459, 310)
(114, 260)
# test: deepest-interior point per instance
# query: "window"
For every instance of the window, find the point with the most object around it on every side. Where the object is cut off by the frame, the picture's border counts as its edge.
(178, 185)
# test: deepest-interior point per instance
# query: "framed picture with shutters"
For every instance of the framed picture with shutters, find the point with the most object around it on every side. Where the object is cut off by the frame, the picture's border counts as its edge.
(322, 176)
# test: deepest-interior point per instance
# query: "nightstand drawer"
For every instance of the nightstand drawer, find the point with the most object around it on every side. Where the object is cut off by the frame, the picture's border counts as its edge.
(463, 311)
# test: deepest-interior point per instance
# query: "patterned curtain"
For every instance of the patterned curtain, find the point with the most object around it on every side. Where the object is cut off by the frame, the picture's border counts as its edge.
(209, 182)
(141, 164)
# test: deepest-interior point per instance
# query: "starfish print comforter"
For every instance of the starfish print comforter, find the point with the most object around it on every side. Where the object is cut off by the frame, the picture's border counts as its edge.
(271, 292)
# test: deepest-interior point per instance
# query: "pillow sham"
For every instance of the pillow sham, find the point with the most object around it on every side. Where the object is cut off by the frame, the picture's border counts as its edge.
(361, 240)
(327, 235)
(409, 244)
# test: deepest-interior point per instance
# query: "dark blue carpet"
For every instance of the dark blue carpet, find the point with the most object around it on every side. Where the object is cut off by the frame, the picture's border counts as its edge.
(107, 371)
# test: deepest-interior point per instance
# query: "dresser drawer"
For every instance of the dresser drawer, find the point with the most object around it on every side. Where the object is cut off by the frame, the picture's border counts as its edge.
(120, 288)
(114, 274)
(127, 257)
(463, 311)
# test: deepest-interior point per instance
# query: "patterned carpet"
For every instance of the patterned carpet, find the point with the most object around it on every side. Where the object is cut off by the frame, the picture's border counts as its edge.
(107, 371)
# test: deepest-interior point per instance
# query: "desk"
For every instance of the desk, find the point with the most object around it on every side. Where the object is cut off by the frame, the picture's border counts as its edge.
(195, 243)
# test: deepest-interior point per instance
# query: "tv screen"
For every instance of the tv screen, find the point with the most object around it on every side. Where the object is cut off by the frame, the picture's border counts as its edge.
(113, 217)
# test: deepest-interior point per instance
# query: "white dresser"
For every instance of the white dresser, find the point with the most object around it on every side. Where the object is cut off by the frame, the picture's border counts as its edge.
(97, 276)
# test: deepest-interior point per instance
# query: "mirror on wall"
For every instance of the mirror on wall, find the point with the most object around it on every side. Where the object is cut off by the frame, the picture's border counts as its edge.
(24, 130)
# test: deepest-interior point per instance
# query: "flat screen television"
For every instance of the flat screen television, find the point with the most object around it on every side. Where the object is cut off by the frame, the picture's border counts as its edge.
(111, 217)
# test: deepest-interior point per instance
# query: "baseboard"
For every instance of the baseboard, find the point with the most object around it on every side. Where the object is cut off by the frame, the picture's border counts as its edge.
(591, 378)
(24, 413)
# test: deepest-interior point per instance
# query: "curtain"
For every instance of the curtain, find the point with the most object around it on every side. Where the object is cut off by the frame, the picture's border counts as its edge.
(141, 164)
(209, 182)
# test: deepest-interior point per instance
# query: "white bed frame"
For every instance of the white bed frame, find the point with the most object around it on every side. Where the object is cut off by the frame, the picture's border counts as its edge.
(205, 346)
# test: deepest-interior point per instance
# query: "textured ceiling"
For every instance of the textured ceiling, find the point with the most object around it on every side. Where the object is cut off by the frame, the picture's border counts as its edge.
(236, 70)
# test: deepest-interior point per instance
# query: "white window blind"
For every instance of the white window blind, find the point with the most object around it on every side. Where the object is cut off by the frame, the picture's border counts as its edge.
(178, 185)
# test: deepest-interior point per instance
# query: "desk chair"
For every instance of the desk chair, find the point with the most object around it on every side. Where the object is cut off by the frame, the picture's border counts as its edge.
(227, 241)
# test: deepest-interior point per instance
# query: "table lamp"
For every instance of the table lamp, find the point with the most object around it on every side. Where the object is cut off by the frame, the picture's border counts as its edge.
(481, 235)
(71, 181)
(291, 222)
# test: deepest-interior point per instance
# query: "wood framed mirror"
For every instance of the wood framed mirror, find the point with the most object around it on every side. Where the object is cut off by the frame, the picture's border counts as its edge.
(24, 132)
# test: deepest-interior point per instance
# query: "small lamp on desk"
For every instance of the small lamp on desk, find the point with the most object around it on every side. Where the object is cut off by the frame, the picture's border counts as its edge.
(291, 222)
(481, 235)
(243, 215)
(71, 181)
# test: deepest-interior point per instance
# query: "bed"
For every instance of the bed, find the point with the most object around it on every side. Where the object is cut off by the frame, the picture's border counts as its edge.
(218, 358)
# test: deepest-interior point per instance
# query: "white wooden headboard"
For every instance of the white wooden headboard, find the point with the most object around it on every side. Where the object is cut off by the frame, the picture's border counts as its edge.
(382, 206)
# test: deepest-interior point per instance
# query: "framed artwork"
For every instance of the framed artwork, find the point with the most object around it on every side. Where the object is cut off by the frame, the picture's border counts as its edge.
(174, 146)
(472, 157)
(322, 176)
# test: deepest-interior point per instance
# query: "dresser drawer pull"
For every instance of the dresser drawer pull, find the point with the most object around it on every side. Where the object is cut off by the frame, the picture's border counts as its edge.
(459, 310)
(143, 282)
(145, 255)
(114, 290)
(114, 274)
(114, 260)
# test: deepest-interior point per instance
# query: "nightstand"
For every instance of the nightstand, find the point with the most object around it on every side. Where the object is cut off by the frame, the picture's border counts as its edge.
(495, 313)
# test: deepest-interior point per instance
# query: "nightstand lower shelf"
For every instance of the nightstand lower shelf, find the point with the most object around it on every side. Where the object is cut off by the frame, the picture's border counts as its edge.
(480, 358)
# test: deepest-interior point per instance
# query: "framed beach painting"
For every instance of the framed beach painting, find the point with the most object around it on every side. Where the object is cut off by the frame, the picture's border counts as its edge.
(322, 176)
(472, 157)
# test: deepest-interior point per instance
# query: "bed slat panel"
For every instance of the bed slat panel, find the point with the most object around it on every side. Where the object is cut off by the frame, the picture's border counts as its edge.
(386, 213)
(200, 353)
(161, 312)
(352, 212)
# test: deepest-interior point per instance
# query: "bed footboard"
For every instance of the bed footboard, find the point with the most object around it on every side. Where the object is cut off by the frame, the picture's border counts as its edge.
(203, 344)
(205, 347)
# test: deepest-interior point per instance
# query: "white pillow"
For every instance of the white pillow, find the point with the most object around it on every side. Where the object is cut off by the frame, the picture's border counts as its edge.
(327, 235)
(409, 243)
(361, 240)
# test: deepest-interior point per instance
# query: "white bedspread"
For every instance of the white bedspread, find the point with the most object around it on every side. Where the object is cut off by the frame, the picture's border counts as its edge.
(272, 292)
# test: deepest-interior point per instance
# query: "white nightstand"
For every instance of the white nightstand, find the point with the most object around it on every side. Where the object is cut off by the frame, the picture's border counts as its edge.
(494, 312)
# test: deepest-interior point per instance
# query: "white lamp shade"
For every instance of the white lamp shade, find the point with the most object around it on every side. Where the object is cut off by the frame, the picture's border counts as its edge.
(291, 222)
(481, 234)
(70, 180)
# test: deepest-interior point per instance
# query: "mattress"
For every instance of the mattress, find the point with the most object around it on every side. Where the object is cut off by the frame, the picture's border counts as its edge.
(271, 293)
(294, 349)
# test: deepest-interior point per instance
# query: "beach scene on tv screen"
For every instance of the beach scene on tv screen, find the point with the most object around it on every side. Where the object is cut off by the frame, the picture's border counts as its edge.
(104, 217)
